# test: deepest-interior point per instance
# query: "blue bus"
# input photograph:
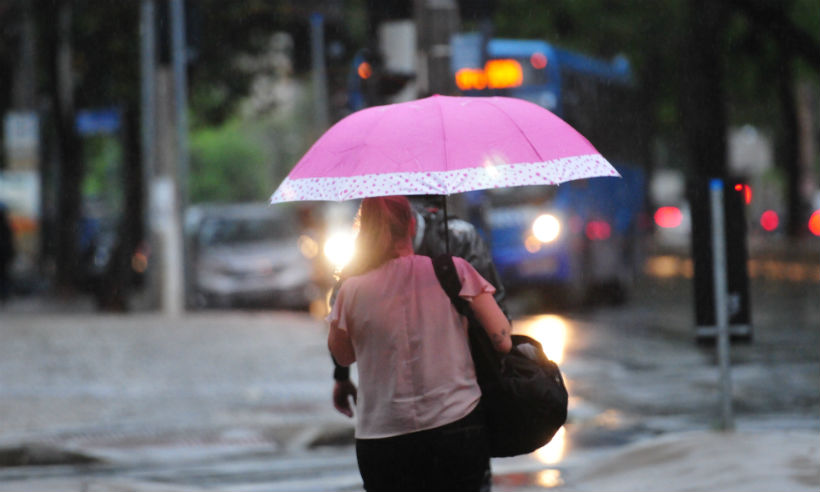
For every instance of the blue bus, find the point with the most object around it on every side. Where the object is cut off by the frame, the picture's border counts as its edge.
(583, 237)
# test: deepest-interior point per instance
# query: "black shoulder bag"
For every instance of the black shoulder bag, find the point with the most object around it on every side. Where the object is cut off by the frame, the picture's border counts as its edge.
(522, 392)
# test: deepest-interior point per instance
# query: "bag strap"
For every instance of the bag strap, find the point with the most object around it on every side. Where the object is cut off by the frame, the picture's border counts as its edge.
(485, 358)
(448, 278)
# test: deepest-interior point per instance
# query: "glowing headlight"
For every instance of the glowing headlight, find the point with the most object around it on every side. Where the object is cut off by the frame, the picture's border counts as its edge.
(308, 246)
(546, 228)
(339, 248)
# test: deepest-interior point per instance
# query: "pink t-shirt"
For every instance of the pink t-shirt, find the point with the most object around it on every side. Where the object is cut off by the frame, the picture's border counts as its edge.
(415, 368)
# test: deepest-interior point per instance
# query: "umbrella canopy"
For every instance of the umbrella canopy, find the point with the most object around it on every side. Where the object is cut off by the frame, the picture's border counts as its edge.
(441, 145)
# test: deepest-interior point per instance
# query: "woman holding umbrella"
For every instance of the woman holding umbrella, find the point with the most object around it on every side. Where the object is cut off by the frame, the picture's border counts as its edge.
(419, 421)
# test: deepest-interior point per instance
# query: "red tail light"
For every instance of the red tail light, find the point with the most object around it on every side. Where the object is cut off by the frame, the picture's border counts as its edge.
(814, 223)
(769, 220)
(668, 217)
(598, 230)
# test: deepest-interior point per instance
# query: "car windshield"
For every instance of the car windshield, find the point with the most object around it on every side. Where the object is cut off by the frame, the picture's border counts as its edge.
(223, 231)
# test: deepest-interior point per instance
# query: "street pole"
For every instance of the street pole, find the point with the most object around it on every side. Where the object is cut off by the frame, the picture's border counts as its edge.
(179, 59)
(148, 116)
(721, 301)
(317, 56)
(170, 144)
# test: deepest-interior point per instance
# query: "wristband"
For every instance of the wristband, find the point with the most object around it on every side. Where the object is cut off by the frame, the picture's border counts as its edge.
(341, 373)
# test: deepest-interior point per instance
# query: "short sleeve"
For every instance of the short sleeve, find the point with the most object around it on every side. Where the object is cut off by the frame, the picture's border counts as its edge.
(337, 316)
(472, 283)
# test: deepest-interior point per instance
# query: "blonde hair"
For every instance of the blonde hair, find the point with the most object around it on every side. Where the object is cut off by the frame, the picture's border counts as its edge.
(385, 224)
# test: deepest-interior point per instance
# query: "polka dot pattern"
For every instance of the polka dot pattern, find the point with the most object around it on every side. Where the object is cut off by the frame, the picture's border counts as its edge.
(444, 182)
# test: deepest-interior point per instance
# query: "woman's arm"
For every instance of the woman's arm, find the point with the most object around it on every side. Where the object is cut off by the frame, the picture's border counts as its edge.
(494, 321)
(338, 341)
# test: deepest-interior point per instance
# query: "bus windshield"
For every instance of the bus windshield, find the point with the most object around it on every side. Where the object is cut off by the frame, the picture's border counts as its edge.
(520, 195)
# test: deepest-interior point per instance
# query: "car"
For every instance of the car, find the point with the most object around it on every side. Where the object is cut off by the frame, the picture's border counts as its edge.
(249, 255)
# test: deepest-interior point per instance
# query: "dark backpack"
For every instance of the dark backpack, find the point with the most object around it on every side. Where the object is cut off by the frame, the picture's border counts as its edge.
(522, 393)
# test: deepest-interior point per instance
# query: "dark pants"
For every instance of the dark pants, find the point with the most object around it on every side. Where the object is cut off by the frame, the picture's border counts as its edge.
(453, 457)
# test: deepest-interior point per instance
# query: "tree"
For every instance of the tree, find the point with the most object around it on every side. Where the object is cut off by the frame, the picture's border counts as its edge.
(89, 59)
(789, 45)
(57, 45)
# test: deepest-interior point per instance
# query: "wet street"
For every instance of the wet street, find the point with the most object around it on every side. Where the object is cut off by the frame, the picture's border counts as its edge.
(232, 400)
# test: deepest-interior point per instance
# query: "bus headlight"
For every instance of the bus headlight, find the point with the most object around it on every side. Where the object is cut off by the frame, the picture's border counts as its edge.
(339, 248)
(546, 228)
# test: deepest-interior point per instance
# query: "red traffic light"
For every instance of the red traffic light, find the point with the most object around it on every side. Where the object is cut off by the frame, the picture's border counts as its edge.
(746, 190)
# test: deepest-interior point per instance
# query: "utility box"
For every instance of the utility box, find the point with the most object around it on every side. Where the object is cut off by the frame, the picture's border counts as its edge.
(737, 276)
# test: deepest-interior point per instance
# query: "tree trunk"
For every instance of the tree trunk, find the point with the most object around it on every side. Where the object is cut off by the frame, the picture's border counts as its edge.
(788, 146)
(703, 108)
(70, 174)
(118, 279)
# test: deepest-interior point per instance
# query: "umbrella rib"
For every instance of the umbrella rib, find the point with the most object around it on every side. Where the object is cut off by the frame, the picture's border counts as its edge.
(520, 130)
(443, 135)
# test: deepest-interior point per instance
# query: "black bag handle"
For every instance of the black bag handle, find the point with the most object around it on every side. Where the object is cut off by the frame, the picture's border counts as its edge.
(485, 358)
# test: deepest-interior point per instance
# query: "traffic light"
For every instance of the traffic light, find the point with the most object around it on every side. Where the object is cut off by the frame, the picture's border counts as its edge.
(373, 81)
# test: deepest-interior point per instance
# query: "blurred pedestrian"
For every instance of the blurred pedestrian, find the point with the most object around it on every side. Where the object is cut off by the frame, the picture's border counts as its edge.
(6, 254)
(419, 423)
(433, 233)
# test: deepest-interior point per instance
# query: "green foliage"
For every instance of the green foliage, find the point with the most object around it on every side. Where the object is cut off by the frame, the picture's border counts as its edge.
(246, 158)
(103, 160)
(227, 166)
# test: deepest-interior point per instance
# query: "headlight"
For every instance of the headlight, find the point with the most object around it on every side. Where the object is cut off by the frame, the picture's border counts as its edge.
(546, 228)
(339, 248)
(308, 246)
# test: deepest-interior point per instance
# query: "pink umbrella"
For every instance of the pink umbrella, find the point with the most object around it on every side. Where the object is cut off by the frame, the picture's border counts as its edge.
(441, 145)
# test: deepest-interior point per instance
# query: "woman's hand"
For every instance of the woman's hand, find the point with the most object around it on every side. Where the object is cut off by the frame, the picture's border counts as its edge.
(343, 392)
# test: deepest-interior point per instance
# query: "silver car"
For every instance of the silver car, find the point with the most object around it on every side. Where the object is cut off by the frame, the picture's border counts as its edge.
(248, 255)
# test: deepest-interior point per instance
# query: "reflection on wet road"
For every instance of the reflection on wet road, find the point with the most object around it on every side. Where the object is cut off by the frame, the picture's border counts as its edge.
(551, 331)
(553, 452)
(635, 371)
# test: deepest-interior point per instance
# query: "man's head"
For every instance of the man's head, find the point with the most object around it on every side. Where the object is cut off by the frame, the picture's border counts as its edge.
(423, 203)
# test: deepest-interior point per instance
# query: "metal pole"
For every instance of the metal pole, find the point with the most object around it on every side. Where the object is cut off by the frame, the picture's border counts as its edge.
(180, 61)
(176, 183)
(721, 301)
(317, 45)
(148, 117)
